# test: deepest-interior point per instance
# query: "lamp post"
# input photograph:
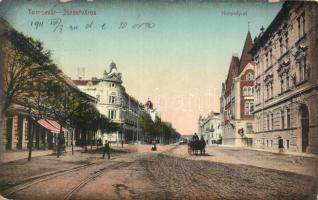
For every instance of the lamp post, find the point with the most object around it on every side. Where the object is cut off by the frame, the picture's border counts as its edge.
(122, 123)
(30, 135)
(138, 122)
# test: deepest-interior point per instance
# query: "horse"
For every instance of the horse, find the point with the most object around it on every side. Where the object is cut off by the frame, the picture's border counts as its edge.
(196, 146)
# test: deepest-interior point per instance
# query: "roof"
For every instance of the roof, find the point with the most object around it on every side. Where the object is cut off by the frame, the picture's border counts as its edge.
(282, 14)
(246, 56)
(233, 71)
(80, 82)
(84, 82)
(4, 26)
(133, 100)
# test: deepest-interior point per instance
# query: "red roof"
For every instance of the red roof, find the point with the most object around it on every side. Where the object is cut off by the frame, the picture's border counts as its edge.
(233, 72)
(246, 56)
(84, 82)
(237, 65)
(80, 82)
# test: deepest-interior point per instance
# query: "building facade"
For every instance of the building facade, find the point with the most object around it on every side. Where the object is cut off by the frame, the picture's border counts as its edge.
(237, 99)
(114, 103)
(210, 128)
(286, 59)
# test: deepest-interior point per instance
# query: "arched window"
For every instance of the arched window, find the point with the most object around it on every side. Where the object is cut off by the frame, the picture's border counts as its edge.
(245, 91)
(249, 91)
(249, 76)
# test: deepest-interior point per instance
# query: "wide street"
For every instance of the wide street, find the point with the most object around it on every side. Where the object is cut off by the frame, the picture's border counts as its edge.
(134, 172)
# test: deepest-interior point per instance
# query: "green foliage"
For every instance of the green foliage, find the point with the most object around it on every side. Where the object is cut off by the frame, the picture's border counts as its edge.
(31, 79)
(158, 128)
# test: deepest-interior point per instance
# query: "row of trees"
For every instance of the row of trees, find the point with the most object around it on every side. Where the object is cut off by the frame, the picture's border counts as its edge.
(158, 129)
(33, 81)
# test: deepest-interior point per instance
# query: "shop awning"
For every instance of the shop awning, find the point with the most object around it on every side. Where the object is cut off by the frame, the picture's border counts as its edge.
(56, 125)
(48, 126)
(51, 125)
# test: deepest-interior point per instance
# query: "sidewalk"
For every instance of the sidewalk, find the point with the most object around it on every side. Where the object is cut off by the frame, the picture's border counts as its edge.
(9, 156)
(273, 151)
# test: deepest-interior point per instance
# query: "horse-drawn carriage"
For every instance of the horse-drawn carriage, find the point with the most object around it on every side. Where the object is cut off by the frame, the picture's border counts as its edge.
(196, 146)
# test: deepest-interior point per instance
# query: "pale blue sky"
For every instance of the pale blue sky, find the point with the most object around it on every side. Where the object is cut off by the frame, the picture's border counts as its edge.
(180, 63)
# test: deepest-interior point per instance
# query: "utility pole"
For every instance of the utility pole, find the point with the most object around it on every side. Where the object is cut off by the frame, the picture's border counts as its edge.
(138, 123)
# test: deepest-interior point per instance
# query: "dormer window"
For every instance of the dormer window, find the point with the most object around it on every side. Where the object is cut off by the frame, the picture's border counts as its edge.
(249, 77)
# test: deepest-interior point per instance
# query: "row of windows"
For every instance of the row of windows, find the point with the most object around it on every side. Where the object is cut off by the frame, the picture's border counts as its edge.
(248, 91)
(286, 81)
(249, 127)
(112, 114)
(283, 41)
(285, 121)
(112, 99)
(269, 143)
(248, 107)
(112, 85)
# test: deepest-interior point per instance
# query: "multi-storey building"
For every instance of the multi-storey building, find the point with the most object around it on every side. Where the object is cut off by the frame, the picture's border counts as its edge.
(114, 103)
(210, 128)
(286, 58)
(237, 100)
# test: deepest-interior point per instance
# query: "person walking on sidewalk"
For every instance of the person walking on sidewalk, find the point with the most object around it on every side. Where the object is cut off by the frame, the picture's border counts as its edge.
(280, 144)
(106, 150)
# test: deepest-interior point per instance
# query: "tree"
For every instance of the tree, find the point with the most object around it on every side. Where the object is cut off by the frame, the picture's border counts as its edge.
(146, 123)
(25, 62)
(158, 129)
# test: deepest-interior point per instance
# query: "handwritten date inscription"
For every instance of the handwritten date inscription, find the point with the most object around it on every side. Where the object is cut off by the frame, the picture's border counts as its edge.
(57, 25)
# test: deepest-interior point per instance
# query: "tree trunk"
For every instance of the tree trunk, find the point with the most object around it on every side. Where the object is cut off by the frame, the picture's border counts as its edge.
(73, 131)
(86, 138)
(58, 142)
(30, 137)
(91, 141)
(3, 133)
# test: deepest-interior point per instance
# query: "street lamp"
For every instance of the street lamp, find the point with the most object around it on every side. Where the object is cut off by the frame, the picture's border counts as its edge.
(122, 123)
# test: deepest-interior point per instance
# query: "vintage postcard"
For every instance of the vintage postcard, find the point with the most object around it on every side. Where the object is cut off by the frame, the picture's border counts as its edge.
(158, 99)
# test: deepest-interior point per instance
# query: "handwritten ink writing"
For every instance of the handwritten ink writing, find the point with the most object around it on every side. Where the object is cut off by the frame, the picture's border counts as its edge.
(37, 24)
(122, 25)
(57, 23)
(89, 26)
(73, 27)
(143, 25)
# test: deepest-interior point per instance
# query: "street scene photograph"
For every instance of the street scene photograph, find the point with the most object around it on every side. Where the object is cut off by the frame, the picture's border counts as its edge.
(158, 100)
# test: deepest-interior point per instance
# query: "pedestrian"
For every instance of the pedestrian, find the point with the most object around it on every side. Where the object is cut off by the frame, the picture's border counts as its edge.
(106, 150)
(280, 145)
(154, 147)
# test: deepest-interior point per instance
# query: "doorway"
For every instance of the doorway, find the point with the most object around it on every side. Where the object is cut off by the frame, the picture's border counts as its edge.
(304, 119)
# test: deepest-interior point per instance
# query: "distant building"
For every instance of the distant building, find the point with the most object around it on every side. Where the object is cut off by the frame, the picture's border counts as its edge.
(186, 138)
(114, 103)
(210, 128)
(151, 110)
(286, 66)
(237, 100)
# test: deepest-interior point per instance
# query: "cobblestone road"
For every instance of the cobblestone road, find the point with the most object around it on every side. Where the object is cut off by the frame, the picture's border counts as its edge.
(171, 173)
